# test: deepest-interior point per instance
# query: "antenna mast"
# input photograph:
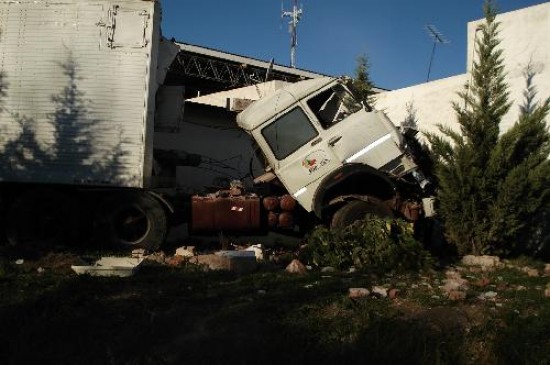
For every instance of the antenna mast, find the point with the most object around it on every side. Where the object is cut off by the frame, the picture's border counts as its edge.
(437, 38)
(295, 15)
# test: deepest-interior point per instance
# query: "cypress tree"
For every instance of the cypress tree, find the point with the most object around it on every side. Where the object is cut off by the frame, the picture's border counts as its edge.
(362, 82)
(493, 191)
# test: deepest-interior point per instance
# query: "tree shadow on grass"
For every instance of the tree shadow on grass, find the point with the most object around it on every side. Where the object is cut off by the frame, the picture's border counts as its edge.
(175, 316)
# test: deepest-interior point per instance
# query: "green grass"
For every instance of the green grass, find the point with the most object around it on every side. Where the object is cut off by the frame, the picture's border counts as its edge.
(166, 315)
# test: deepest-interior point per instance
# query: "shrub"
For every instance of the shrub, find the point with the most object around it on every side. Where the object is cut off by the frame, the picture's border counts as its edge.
(494, 188)
(376, 244)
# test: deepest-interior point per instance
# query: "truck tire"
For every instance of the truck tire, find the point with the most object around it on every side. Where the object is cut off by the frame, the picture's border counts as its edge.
(131, 219)
(42, 218)
(359, 209)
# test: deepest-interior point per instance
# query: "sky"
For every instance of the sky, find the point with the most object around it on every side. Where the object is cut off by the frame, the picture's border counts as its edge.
(332, 34)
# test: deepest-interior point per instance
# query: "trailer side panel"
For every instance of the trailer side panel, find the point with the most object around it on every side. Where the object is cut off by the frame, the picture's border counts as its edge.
(77, 84)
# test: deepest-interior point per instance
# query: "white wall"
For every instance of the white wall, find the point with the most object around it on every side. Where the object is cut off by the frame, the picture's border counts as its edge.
(525, 38)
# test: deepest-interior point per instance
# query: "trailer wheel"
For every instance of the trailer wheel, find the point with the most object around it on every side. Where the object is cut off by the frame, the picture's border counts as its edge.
(359, 209)
(131, 219)
(42, 218)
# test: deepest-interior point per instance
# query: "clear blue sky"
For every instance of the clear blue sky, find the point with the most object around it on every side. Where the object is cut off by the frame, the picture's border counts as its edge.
(331, 34)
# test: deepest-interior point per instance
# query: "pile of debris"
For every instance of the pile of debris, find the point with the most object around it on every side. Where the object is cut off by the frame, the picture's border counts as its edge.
(241, 260)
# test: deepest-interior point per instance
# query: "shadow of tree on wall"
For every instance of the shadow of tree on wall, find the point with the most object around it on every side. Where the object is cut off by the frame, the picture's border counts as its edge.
(63, 147)
(70, 134)
(2, 90)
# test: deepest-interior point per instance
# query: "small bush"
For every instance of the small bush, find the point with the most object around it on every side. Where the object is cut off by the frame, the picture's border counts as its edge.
(374, 244)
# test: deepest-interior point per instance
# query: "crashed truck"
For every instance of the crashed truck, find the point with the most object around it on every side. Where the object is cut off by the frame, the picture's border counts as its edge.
(340, 159)
(78, 86)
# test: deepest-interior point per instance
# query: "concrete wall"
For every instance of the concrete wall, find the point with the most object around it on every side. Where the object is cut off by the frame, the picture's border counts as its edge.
(525, 38)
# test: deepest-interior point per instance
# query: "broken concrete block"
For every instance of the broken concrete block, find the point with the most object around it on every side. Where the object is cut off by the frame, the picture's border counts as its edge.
(380, 291)
(454, 282)
(356, 293)
(488, 295)
(236, 261)
(531, 272)
(185, 251)
(296, 267)
(139, 253)
(157, 257)
(176, 260)
(393, 293)
(483, 261)
(258, 251)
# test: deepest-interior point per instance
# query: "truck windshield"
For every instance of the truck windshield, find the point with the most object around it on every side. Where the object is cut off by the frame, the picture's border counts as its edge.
(288, 133)
(333, 105)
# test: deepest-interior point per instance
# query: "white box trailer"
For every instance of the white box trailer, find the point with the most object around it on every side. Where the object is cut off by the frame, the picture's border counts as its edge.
(78, 83)
(77, 103)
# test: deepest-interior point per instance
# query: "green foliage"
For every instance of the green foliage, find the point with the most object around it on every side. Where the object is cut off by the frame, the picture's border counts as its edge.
(376, 244)
(494, 190)
(362, 82)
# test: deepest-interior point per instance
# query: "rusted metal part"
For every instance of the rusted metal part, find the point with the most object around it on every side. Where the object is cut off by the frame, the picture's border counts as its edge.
(288, 203)
(229, 213)
(272, 219)
(271, 203)
(411, 210)
(286, 220)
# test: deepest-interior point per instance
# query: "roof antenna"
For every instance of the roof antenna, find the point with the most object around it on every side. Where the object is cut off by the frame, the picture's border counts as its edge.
(437, 38)
(295, 16)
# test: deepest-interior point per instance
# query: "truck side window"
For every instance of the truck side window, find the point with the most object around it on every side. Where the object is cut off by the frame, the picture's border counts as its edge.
(289, 132)
(333, 105)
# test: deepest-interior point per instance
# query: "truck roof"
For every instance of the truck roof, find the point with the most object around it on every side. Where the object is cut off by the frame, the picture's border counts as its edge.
(266, 108)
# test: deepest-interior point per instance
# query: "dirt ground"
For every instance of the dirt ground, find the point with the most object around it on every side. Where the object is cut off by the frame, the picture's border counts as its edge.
(179, 313)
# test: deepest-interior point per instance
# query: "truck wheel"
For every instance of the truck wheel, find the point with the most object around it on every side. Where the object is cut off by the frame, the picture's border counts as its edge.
(131, 219)
(42, 218)
(357, 210)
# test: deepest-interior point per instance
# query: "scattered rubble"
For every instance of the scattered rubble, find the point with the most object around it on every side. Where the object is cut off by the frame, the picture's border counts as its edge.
(454, 282)
(483, 282)
(393, 293)
(456, 295)
(185, 251)
(139, 253)
(258, 251)
(176, 260)
(531, 272)
(110, 266)
(356, 293)
(380, 291)
(236, 261)
(296, 267)
(486, 262)
(156, 258)
(488, 295)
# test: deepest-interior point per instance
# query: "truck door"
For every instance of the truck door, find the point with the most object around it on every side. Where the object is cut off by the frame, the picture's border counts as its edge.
(351, 133)
(302, 154)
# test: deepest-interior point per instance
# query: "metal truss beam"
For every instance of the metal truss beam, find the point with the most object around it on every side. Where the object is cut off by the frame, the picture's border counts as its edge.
(225, 72)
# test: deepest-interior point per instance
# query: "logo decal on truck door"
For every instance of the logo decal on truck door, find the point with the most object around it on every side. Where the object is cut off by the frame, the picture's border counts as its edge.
(315, 161)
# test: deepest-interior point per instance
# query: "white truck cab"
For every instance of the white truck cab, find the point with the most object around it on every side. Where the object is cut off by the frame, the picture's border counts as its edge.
(328, 149)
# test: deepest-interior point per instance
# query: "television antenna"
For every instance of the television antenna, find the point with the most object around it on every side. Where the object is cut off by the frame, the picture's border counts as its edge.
(438, 38)
(295, 16)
